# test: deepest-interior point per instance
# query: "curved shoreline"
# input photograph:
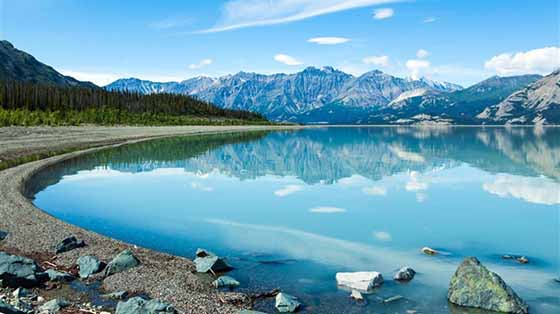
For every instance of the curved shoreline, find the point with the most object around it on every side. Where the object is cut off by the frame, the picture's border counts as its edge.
(33, 232)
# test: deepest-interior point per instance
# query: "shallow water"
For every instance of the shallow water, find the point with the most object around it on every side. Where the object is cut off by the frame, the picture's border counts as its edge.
(290, 209)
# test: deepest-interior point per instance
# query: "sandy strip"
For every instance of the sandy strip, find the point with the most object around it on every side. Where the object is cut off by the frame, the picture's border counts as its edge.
(32, 232)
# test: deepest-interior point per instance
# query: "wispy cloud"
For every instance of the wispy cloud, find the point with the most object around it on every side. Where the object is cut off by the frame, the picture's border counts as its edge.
(328, 40)
(104, 78)
(287, 60)
(383, 13)
(422, 53)
(287, 190)
(327, 210)
(202, 63)
(250, 13)
(533, 190)
(375, 190)
(542, 60)
(382, 61)
(201, 187)
(418, 67)
(171, 22)
(429, 20)
(382, 235)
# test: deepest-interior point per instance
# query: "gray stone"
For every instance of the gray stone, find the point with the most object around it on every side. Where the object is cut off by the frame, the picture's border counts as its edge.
(362, 281)
(69, 244)
(119, 295)
(89, 265)
(9, 309)
(211, 263)
(124, 261)
(17, 271)
(225, 282)
(21, 293)
(203, 253)
(138, 305)
(3, 235)
(55, 275)
(393, 299)
(356, 295)
(286, 303)
(53, 306)
(405, 274)
(473, 285)
(248, 312)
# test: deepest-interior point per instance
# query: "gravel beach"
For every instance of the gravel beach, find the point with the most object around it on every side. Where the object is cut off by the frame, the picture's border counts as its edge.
(33, 233)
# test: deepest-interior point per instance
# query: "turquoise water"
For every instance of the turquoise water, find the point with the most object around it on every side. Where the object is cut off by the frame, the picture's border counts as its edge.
(290, 209)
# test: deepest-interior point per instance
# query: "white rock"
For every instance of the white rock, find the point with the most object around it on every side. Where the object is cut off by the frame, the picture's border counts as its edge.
(356, 295)
(362, 281)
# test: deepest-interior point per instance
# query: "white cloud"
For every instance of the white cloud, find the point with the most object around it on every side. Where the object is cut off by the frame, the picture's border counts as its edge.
(382, 235)
(533, 190)
(383, 13)
(543, 61)
(430, 20)
(171, 22)
(287, 60)
(287, 190)
(328, 40)
(421, 53)
(415, 185)
(327, 210)
(250, 13)
(102, 79)
(418, 67)
(375, 190)
(382, 61)
(406, 155)
(201, 187)
(202, 63)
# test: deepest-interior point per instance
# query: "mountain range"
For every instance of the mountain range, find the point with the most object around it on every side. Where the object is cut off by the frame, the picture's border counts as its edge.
(329, 96)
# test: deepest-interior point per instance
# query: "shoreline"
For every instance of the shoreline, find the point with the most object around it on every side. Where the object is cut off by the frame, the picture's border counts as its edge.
(34, 233)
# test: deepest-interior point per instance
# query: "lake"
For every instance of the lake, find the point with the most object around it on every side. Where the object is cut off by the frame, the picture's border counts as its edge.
(289, 209)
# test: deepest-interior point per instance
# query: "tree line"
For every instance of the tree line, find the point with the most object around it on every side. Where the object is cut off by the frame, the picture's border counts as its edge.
(24, 103)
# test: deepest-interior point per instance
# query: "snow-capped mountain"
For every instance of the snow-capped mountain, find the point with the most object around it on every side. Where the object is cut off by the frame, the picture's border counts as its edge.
(287, 97)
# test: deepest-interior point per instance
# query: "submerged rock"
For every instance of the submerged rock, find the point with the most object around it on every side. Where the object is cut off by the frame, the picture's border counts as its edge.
(55, 275)
(362, 281)
(225, 282)
(405, 274)
(473, 285)
(286, 303)
(69, 244)
(17, 271)
(138, 305)
(518, 258)
(3, 235)
(429, 251)
(119, 295)
(53, 306)
(124, 261)
(393, 299)
(211, 263)
(89, 265)
(9, 309)
(356, 295)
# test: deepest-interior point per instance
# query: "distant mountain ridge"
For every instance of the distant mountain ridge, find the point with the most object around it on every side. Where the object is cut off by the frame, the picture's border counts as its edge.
(17, 65)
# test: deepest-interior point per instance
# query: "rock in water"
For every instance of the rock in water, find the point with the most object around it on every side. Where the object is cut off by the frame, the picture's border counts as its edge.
(138, 305)
(286, 303)
(9, 309)
(473, 285)
(17, 271)
(59, 276)
(3, 235)
(89, 265)
(203, 253)
(69, 244)
(119, 295)
(356, 295)
(405, 274)
(225, 282)
(211, 263)
(53, 306)
(429, 251)
(125, 260)
(362, 281)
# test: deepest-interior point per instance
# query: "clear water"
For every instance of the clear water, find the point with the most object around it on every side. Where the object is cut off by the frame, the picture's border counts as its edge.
(290, 209)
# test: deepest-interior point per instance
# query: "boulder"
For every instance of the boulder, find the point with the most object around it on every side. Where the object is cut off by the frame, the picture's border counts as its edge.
(405, 274)
(356, 295)
(429, 251)
(473, 285)
(9, 309)
(21, 293)
(138, 305)
(286, 303)
(69, 244)
(211, 263)
(53, 306)
(55, 275)
(225, 282)
(124, 261)
(119, 295)
(362, 281)
(17, 271)
(203, 253)
(3, 235)
(89, 265)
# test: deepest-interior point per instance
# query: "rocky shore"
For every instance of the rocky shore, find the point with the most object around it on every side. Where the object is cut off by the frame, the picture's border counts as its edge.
(31, 233)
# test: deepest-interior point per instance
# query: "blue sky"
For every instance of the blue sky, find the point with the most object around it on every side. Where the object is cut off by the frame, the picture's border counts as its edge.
(457, 41)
